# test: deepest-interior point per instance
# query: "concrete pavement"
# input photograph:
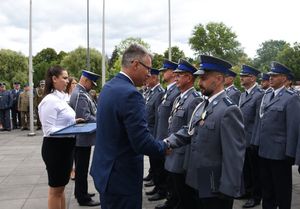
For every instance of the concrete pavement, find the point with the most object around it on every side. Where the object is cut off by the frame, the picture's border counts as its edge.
(23, 178)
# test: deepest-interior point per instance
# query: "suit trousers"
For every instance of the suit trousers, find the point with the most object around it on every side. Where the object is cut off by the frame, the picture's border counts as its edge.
(159, 173)
(251, 174)
(276, 178)
(115, 201)
(82, 160)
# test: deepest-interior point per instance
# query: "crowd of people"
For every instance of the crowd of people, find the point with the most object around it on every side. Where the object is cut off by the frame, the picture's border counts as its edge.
(206, 148)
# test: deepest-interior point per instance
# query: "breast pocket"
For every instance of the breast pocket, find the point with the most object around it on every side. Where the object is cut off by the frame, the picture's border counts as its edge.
(277, 113)
(206, 130)
(180, 113)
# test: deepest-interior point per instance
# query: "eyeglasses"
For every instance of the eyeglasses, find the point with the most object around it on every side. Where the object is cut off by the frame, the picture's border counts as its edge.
(145, 66)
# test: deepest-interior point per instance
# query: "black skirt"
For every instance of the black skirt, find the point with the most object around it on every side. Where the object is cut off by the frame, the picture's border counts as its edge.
(57, 154)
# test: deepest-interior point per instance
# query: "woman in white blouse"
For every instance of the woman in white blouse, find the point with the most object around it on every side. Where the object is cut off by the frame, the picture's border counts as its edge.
(57, 152)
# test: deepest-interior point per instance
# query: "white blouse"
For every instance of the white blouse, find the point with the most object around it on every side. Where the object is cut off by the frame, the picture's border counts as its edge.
(55, 113)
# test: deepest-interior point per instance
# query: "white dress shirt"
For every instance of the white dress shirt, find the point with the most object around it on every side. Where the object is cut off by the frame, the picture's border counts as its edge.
(55, 113)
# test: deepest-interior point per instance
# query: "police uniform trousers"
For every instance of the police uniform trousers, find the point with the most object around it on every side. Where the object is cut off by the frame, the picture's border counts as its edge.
(251, 174)
(5, 118)
(159, 174)
(113, 201)
(183, 192)
(82, 160)
(276, 179)
(16, 117)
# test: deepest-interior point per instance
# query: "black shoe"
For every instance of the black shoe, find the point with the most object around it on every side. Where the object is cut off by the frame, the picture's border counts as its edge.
(157, 196)
(149, 184)
(251, 203)
(148, 177)
(91, 194)
(90, 203)
(152, 192)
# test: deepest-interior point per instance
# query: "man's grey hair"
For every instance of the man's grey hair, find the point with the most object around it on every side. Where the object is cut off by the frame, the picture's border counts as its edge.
(134, 52)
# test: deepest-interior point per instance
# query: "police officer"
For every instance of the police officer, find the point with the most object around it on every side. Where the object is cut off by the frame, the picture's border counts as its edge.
(289, 83)
(5, 105)
(216, 134)
(16, 116)
(183, 108)
(163, 114)
(85, 108)
(249, 104)
(23, 107)
(277, 139)
(265, 83)
(38, 97)
(153, 100)
(232, 92)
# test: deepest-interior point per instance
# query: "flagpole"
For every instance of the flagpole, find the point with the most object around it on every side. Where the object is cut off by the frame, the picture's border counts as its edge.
(30, 74)
(170, 55)
(88, 63)
(103, 44)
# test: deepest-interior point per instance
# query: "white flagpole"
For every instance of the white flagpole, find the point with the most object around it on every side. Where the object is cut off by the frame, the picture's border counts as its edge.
(103, 44)
(88, 63)
(30, 74)
(170, 55)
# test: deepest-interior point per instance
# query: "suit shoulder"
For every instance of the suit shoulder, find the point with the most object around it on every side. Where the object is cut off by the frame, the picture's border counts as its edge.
(290, 91)
(196, 94)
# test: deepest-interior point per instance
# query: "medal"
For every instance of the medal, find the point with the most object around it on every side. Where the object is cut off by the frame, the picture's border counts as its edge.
(201, 123)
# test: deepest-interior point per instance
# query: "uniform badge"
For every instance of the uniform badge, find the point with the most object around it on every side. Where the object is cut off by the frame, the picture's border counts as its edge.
(201, 123)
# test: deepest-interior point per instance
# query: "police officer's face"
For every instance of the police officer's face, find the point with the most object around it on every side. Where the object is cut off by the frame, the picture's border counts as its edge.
(277, 80)
(209, 82)
(182, 80)
(60, 83)
(265, 84)
(168, 75)
(247, 80)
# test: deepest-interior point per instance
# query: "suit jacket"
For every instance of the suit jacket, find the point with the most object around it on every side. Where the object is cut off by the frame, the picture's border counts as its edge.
(279, 125)
(85, 108)
(15, 97)
(163, 112)
(153, 100)
(250, 105)
(234, 94)
(122, 139)
(180, 116)
(217, 148)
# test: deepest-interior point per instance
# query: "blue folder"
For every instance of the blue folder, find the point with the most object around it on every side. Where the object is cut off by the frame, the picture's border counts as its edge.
(80, 128)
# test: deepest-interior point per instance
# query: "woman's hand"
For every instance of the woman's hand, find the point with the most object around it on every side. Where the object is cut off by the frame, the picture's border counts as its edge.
(79, 120)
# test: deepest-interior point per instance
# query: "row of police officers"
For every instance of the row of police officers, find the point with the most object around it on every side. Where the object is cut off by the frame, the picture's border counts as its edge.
(226, 144)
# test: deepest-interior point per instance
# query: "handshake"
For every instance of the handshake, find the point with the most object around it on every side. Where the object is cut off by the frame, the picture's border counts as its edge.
(168, 144)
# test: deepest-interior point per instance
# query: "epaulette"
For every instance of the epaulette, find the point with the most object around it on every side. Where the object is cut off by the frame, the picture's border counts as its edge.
(269, 90)
(160, 89)
(228, 101)
(235, 88)
(260, 90)
(196, 94)
(290, 91)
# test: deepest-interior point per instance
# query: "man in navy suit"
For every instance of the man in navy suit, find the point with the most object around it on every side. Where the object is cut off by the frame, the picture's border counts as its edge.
(122, 134)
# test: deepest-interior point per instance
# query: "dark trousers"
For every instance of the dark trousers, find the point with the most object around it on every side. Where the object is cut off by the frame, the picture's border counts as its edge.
(159, 173)
(276, 178)
(16, 117)
(183, 192)
(5, 118)
(172, 199)
(113, 201)
(214, 203)
(82, 160)
(251, 174)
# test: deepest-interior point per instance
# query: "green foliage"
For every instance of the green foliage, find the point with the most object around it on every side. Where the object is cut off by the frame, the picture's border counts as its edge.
(13, 67)
(75, 62)
(290, 56)
(128, 41)
(268, 52)
(216, 39)
(157, 60)
(176, 54)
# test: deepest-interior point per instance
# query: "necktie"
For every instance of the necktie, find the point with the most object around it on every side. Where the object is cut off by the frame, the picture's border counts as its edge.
(272, 95)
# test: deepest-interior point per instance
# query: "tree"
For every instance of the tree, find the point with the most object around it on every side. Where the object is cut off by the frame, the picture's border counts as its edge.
(128, 41)
(157, 60)
(113, 59)
(13, 67)
(216, 39)
(268, 52)
(75, 62)
(290, 56)
(176, 54)
(42, 61)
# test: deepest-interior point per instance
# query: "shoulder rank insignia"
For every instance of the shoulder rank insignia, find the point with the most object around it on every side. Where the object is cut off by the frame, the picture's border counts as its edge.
(227, 101)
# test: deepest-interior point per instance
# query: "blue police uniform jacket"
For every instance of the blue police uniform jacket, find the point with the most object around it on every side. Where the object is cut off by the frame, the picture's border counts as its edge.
(234, 94)
(279, 125)
(122, 139)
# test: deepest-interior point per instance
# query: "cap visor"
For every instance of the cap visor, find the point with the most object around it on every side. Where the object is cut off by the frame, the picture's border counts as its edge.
(272, 73)
(95, 84)
(199, 72)
(179, 71)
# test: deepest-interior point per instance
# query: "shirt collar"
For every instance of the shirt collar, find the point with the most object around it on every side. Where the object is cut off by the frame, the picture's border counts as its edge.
(127, 77)
(278, 90)
(59, 94)
(184, 93)
(228, 87)
(170, 85)
(251, 88)
(155, 86)
(215, 96)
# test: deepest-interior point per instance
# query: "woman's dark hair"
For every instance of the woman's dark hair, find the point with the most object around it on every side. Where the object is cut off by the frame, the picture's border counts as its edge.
(68, 88)
(52, 71)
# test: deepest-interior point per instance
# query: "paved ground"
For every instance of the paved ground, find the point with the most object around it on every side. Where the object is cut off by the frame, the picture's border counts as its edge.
(23, 179)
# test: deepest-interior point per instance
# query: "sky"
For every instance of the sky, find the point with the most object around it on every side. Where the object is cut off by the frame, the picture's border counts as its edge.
(61, 24)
